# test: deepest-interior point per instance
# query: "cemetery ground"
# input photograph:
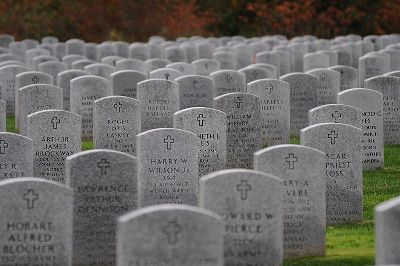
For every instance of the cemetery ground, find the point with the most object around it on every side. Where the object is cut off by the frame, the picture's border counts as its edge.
(353, 243)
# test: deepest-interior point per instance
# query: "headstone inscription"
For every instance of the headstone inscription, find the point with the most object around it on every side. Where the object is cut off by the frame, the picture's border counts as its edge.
(159, 100)
(343, 168)
(304, 205)
(64, 82)
(36, 222)
(252, 227)
(56, 134)
(243, 137)
(195, 91)
(210, 125)
(389, 87)
(168, 167)
(303, 97)
(37, 97)
(84, 90)
(275, 110)
(180, 235)
(371, 104)
(228, 81)
(124, 82)
(116, 122)
(329, 85)
(105, 186)
(348, 77)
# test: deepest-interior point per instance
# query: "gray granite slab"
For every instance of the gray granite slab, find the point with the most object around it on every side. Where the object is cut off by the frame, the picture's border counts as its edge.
(165, 73)
(387, 232)
(348, 77)
(37, 97)
(178, 235)
(227, 60)
(159, 101)
(168, 167)
(31, 53)
(275, 110)
(155, 63)
(303, 97)
(185, 68)
(371, 65)
(59, 50)
(116, 122)
(105, 187)
(3, 116)
(105, 50)
(228, 81)
(111, 60)
(16, 156)
(41, 59)
(100, 70)
(69, 59)
(124, 82)
(52, 68)
(329, 85)
(90, 51)
(243, 138)
(175, 54)
(8, 82)
(250, 203)
(315, 60)
(205, 67)
(210, 125)
(74, 46)
(371, 104)
(139, 51)
(131, 64)
(304, 205)
(56, 134)
(195, 91)
(335, 113)
(256, 73)
(122, 48)
(205, 49)
(37, 222)
(84, 90)
(64, 81)
(81, 64)
(343, 168)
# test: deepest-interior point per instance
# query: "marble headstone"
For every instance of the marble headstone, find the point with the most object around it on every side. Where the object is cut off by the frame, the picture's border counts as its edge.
(195, 91)
(124, 82)
(335, 113)
(64, 82)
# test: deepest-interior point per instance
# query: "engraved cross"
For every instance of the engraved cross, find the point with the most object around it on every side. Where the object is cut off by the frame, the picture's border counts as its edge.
(30, 196)
(291, 159)
(169, 140)
(3, 146)
(238, 102)
(172, 229)
(336, 116)
(243, 188)
(55, 121)
(103, 165)
(200, 119)
(118, 106)
(333, 136)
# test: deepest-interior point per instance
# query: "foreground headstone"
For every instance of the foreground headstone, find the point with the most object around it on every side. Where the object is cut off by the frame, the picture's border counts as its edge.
(371, 104)
(116, 122)
(37, 222)
(168, 167)
(251, 226)
(243, 138)
(275, 110)
(387, 232)
(64, 82)
(180, 235)
(348, 77)
(228, 81)
(159, 101)
(303, 97)
(16, 156)
(195, 91)
(343, 168)
(335, 113)
(210, 125)
(84, 91)
(124, 82)
(304, 206)
(105, 186)
(56, 134)
(33, 98)
(389, 87)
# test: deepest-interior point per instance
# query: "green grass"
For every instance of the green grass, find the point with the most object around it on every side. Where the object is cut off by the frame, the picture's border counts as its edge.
(349, 244)
(353, 244)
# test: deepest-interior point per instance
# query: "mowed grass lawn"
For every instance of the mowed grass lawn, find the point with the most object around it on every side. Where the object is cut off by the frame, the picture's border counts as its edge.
(349, 244)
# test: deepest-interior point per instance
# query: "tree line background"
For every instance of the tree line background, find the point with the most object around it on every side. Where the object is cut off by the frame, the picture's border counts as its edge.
(136, 20)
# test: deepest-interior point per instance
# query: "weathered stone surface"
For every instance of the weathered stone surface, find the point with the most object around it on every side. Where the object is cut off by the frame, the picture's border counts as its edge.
(116, 122)
(105, 186)
(235, 194)
(36, 215)
(329, 85)
(303, 97)
(195, 91)
(176, 235)
(228, 81)
(348, 77)
(56, 134)
(210, 125)
(371, 65)
(124, 82)
(371, 104)
(159, 101)
(168, 167)
(343, 168)
(243, 112)
(84, 90)
(275, 110)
